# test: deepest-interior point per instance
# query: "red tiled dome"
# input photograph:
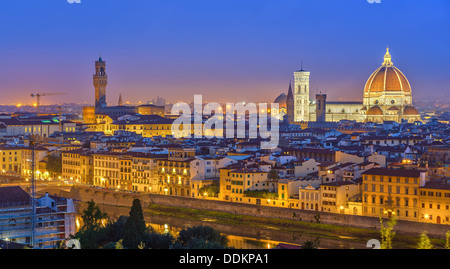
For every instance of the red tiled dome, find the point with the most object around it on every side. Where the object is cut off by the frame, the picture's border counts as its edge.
(387, 78)
(376, 110)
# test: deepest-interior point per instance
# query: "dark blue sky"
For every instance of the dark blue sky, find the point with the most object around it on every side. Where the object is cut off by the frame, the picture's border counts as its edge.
(227, 50)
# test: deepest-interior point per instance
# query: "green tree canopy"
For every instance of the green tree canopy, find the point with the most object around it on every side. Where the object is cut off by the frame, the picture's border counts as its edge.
(192, 236)
(54, 164)
(273, 177)
(424, 242)
(135, 228)
(92, 234)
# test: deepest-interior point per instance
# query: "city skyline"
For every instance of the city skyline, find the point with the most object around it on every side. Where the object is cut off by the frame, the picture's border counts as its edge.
(224, 124)
(226, 52)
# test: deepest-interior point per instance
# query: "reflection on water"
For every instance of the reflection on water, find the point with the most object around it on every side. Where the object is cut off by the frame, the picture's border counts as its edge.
(240, 237)
(237, 242)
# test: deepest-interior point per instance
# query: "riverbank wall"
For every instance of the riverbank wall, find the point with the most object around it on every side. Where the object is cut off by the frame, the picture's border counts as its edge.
(126, 199)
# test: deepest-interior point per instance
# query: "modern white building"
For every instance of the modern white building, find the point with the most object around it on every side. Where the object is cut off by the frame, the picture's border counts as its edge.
(54, 221)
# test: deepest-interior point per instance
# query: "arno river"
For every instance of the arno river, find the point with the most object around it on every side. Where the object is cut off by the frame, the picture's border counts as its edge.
(240, 237)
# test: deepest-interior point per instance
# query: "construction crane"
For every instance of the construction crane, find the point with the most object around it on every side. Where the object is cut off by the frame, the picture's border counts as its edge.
(33, 192)
(38, 99)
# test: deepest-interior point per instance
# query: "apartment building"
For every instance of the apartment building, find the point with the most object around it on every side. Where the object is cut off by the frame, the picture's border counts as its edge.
(10, 159)
(434, 203)
(174, 172)
(39, 154)
(107, 169)
(78, 165)
(144, 172)
(388, 192)
(310, 198)
(335, 195)
(55, 218)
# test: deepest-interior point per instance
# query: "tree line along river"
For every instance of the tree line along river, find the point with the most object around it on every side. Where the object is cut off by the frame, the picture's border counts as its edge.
(240, 237)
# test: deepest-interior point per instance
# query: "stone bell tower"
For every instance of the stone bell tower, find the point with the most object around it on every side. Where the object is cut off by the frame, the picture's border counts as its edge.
(100, 82)
(301, 95)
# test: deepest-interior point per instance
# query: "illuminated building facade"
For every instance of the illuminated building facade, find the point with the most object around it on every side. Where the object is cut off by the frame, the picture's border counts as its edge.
(174, 172)
(387, 97)
(387, 192)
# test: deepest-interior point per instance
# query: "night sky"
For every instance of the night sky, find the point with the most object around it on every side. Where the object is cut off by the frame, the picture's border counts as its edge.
(227, 50)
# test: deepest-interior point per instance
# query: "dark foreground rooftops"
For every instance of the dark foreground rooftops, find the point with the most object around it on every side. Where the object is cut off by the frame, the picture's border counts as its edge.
(13, 195)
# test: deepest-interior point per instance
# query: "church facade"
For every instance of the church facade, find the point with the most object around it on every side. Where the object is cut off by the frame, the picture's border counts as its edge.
(387, 96)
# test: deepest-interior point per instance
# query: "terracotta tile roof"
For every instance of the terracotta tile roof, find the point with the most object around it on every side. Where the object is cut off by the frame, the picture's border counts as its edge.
(392, 172)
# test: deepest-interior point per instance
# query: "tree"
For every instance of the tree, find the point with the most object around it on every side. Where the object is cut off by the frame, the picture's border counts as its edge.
(115, 229)
(211, 190)
(119, 244)
(261, 194)
(447, 240)
(273, 177)
(54, 164)
(135, 228)
(387, 233)
(424, 242)
(309, 245)
(197, 243)
(92, 216)
(92, 234)
(210, 238)
(153, 240)
(141, 246)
